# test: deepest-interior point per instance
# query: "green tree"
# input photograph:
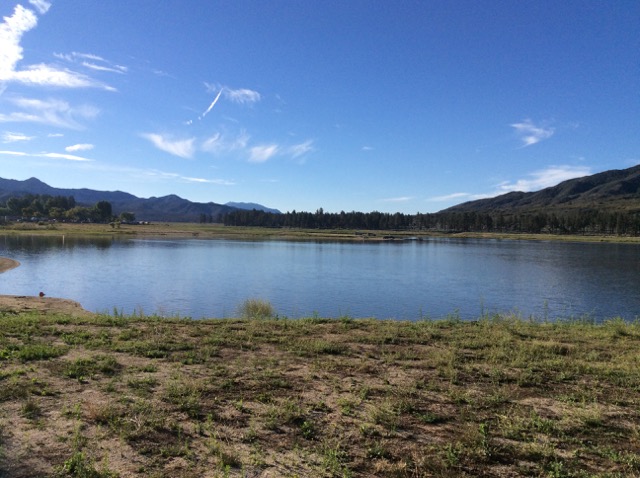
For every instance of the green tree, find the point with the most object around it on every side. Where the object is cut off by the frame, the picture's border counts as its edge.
(79, 213)
(103, 211)
(127, 217)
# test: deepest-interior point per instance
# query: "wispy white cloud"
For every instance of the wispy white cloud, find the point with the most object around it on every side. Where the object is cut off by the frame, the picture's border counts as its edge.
(219, 143)
(262, 153)
(122, 171)
(8, 137)
(544, 178)
(51, 112)
(367, 148)
(78, 147)
(214, 144)
(68, 157)
(535, 181)
(301, 149)
(157, 174)
(46, 75)
(70, 57)
(11, 53)
(220, 182)
(450, 197)
(112, 69)
(92, 62)
(530, 133)
(14, 153)
(397, 199)
(41, 5)
(243, 95)
(183, 148)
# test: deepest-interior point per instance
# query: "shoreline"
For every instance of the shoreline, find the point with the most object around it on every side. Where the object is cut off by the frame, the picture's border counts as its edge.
(176, 230)
(7, 264)
(44, 305)
(19, 304)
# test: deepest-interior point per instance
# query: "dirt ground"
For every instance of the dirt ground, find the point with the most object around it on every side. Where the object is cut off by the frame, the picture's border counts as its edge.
(45, 305)
(134, 397)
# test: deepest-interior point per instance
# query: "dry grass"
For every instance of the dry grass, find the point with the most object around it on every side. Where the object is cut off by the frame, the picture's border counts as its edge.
(107, 396)
(203, 231)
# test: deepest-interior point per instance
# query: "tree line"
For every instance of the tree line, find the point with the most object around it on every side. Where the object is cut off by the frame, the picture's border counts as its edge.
(575, 222)
(59, 208)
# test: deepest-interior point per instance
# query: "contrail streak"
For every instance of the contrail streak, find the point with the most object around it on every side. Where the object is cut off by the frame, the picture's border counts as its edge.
(213, 103)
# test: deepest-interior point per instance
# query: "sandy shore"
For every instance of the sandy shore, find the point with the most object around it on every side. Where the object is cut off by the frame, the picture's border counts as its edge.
(43, 305)
(7, 264)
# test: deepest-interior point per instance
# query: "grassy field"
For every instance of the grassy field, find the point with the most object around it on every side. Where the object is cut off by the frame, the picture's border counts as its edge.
(193, 230)
(107, 396)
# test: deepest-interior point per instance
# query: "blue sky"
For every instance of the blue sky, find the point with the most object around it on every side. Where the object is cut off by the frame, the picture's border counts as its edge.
(409, 106)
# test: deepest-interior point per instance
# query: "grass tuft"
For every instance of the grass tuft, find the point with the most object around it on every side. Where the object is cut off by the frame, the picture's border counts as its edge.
(256, 309)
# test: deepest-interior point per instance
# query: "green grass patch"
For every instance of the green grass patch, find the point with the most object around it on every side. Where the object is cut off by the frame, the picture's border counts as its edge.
(498, 396)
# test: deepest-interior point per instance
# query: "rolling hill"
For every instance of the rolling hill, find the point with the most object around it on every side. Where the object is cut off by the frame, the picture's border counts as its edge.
(609, 191)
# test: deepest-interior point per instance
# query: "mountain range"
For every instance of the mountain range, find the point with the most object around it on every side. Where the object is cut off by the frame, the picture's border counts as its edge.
(170, 208)
(609, 191)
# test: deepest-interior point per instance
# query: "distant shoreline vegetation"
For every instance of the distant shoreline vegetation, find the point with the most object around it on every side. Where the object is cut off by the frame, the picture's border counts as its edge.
(44, 208)
(567, 223)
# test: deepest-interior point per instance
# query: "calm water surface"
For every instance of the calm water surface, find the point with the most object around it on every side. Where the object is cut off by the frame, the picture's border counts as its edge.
(405, 280)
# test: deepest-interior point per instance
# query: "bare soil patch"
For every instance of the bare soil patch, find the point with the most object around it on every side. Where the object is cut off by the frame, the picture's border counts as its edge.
(104, 396)
(7, 264)
(42, 305)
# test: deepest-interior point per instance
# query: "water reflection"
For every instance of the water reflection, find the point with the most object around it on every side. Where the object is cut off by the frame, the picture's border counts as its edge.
(37, 244)
(403, 280)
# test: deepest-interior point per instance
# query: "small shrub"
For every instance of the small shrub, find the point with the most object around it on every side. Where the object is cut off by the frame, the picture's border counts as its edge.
(308, 430)
(14, 389)
(256, 309)
(83, 369)
(31, 410)
(81, 466)
(320, 347)
(40, 352)
(143, 386)
(186, 395)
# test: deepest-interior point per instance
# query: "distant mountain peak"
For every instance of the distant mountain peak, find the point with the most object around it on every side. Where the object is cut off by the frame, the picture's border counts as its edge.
(249, 206)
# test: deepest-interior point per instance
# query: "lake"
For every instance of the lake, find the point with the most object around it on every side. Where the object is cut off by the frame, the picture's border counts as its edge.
(431, 278)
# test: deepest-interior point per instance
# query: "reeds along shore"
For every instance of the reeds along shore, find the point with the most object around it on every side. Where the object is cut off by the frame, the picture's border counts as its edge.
(107, 396)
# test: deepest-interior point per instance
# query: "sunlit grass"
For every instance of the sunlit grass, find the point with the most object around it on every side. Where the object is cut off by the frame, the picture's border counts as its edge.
(196, 230)
(499, 396)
